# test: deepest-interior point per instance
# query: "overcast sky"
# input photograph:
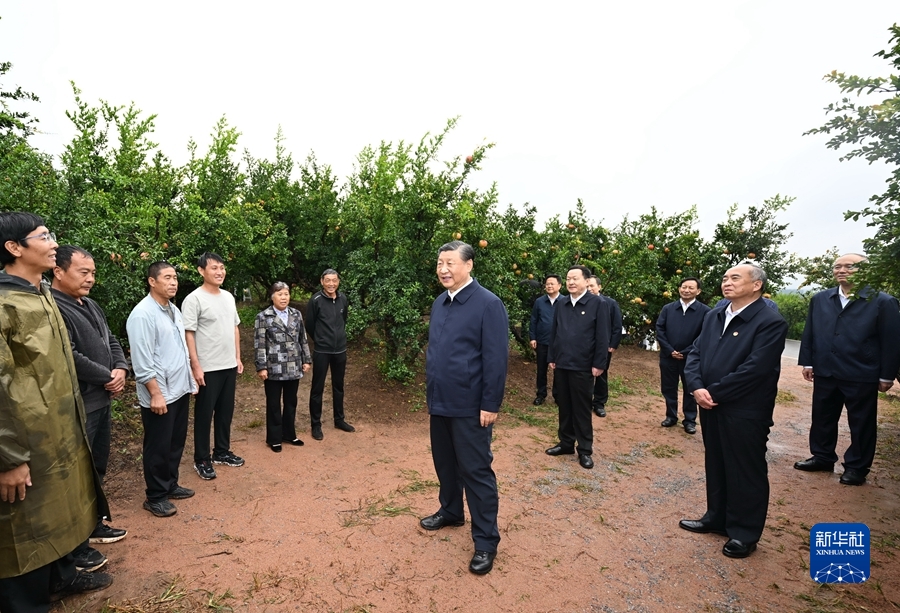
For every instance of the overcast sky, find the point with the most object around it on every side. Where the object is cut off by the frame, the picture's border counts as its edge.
(624, 105)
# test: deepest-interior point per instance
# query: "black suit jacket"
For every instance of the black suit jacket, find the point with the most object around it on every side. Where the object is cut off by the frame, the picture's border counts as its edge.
(740, 367)
(858, 343)
(677, 329)
(615, 321)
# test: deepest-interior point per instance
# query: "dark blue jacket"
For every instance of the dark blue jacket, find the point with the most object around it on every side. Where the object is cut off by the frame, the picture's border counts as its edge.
(677, 329)
(615, 321)
(740, 367)
(542, 319)
(468, 350)
(580, 335)
(858, 343)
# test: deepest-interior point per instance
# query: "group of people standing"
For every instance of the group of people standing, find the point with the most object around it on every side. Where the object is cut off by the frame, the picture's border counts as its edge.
(61, 367)
(728, 360)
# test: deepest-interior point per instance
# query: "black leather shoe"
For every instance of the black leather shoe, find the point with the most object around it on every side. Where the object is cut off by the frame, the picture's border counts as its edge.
(736, 549)
(438, 521)
(296, 442)
(585, 461)
(276, 448)
(668, 422)
(538, 401)
(482, 562)
(317, 432)
(559, 450)
(814, 464)
(699, 526)
(600, 411)
(342, 425)
(690, 428)
(852, 476)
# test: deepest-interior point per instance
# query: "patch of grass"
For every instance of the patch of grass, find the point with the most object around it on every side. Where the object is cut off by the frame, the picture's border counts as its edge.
(174, 598)
(216, 602)
(367, 510)
(415, 483)
(618, 387)
(664, 451)
(255, 423)
(544, 417)
(784, 396)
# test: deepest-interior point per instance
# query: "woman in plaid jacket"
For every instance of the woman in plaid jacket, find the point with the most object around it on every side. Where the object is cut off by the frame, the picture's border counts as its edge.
(282, 356)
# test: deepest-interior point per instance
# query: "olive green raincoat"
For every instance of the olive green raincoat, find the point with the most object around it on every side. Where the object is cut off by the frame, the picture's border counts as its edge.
(42, 424)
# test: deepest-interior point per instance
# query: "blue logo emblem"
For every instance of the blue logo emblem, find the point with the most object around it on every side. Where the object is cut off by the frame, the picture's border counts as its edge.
(839, 553)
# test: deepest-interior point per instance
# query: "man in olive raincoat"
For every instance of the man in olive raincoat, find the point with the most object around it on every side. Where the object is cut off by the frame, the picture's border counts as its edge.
(49, 493)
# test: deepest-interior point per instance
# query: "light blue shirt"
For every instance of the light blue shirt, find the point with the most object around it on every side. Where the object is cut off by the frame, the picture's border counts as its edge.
(159, 351)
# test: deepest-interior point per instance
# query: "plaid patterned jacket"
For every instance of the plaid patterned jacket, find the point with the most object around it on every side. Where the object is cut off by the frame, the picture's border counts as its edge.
(281, 349)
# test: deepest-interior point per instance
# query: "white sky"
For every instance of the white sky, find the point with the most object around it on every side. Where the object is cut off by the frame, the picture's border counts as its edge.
(625, 105)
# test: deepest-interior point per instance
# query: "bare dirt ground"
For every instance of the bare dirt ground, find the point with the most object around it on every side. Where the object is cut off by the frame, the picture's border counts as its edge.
(333, 526)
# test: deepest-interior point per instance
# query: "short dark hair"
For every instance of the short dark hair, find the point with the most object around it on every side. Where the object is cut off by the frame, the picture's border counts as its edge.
(277, 287)
(64, 255)
(157, 267)
(330, 271)
(694, 279)
(585, 271)
(465, 250)
(595, 278)
(14, 226)
(207, 257)
(557, 277)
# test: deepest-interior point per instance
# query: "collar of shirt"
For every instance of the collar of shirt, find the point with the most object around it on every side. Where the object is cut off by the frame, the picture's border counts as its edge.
(729, 314)
(553, 300)
(282, 315)
(685, 306)
(575, 299)
(453, 293)
(845, 299)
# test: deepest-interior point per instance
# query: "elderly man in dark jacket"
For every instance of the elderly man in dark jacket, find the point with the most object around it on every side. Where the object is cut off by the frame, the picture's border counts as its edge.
(465, 373)
(850, 351)
(101, 368)
(732, 371)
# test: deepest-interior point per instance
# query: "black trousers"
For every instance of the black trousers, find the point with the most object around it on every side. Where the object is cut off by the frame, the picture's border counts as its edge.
(601, 385)
(670, 372)
(830, 395)
(321, 363)
(280, 422)
(461, 450)
(164, 437)
(573, 396)
(99, 432)
(30, 593)
(542, 366)
(214, 405)
(737, 475)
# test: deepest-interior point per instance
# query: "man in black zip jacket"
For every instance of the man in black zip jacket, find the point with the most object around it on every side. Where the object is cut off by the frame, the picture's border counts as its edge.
(579, 350)
(677, 327)
(326, 320)
(101, 369)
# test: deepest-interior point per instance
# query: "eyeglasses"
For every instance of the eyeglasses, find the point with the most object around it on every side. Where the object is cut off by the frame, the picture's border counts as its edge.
(845, 267)
(44, 236)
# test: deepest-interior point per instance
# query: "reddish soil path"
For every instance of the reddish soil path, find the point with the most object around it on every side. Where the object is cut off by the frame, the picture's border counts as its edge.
(332, 526)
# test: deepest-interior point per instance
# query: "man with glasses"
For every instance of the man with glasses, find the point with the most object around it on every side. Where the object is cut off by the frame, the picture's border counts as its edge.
(539, 332)
(50, 495)
(850, 351)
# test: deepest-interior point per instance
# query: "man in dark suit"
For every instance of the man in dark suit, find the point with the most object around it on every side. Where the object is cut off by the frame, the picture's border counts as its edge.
(677, 328)
(579, 343)
(850, 351)
(465, 376)
(732, 371)
(539, 333)
(601, 383)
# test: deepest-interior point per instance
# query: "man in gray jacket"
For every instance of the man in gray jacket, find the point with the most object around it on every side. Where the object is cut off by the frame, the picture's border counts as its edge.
(101, 369)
